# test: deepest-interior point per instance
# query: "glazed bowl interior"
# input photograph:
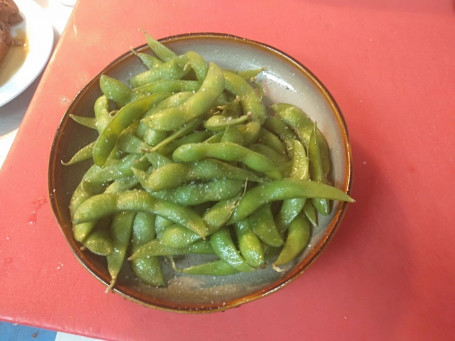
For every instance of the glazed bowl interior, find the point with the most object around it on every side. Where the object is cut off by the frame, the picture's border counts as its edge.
(284, 80)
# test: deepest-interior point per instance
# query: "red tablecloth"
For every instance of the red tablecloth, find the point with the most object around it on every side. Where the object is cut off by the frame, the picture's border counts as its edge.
(388, 274)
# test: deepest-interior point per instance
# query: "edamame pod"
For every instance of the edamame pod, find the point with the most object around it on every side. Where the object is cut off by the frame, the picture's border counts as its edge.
(102, 113)
(171, 69)
(214, 268)
(225, 249)
(162, 51)
(85, 153)
(250, 246)
(99, 242)
(147, 269)
(178, 236)
(284, 189)
(263, 225)
(227, 151)
(120, 230)
(300, 170)
(174, 174)
(148, 60)
(279, 128)
(155, 248)
(271, 140)
(198, 193)
(299, 232)
(251, 102)
(195, 106)
(115, 90)
(88, 122)
(164, 85)
(319, 169)
(105, 204)
(311, 213)
(221, 122)
(127, 115)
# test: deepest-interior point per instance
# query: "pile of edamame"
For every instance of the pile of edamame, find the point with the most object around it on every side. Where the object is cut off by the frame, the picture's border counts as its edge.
(189, 160)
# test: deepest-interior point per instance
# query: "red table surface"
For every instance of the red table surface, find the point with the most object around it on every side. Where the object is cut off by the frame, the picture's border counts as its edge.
(389, 272)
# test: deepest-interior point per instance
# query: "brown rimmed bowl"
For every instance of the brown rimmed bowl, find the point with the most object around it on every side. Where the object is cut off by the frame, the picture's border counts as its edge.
(284, 80)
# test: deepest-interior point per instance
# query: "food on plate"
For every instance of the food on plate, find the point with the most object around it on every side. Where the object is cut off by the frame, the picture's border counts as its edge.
(189, 160)
(9, 16)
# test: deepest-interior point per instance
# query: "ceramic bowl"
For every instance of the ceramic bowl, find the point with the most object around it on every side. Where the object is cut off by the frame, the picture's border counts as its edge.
(285, 80)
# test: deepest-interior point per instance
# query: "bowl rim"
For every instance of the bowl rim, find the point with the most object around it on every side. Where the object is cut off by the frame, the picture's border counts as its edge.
(272, 287)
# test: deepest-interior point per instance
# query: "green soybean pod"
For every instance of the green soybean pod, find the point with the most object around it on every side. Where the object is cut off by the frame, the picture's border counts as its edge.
(250, 131)
(88, 122)
(193, 194)
(228, 107)
(232, 134)
(278, 159)
(102, 112)
(194, 107)
(171, 69)
(182, 131)
(162, 51)
(155, 247)
(271, 140)
(300, 170)
(224, 247)
(167, 176)
(104, 204)
(160, 224)
(221, 122)
(263, 225)
(178, 236)
(165, 85)
(147, 268)
(319, 156)
(194, 137)
(122, 184)
(115, 90)
(131, 144)
(171, 101)
(99, 242)
(250, 246)
(85, 153)
(251, 102)
(118, 169)
(172, 175)
(198, 64)
(250, 73)
(152, 137)
(284, 189)
(311, 213)
(82, 230)
(217, 215)
(148, 60)
(299, 232)
(275, 125)
(227, 151)
(318, 169)
(120, 230)
(213, 268)
(80, 194)
(299, 122)
(304, 127)
(127, 115)
(157, 160)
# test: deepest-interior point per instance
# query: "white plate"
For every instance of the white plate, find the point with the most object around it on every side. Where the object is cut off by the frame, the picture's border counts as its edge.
(40, 36)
